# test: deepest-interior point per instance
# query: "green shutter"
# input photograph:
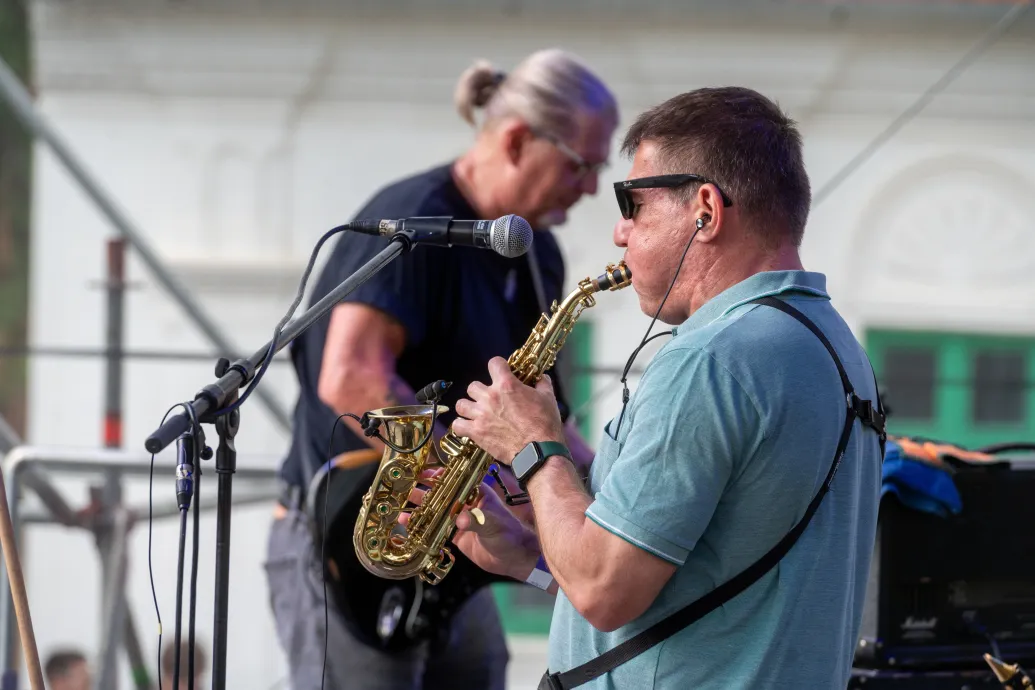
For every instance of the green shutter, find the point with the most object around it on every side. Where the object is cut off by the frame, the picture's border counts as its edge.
(956, 384)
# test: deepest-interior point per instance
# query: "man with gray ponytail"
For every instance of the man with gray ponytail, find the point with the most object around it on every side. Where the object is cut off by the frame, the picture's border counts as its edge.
(543, 133)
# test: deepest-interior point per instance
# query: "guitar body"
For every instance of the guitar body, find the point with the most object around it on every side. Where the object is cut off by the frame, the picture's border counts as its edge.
(388, 614)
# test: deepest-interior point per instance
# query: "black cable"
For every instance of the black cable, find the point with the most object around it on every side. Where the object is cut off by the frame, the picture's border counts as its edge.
(195, 428)
(370, 428)
(194, 568)
(150, 526)
(645, 340)
(975, 626)
(323, 550)
(264, 364)
(150, 568)
(179, 597)
(195, 460)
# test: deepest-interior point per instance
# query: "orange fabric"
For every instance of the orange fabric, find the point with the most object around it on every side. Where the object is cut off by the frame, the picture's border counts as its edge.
(356, 458)
(344, 461)
(935, 453)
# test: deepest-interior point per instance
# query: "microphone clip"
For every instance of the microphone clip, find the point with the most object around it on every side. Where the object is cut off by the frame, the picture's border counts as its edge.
(433, 392)
(370, 426)
(190, 449)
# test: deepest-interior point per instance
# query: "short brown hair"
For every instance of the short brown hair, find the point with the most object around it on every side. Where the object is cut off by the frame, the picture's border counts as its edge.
(61, 662)
(741, 141)
(169, 660)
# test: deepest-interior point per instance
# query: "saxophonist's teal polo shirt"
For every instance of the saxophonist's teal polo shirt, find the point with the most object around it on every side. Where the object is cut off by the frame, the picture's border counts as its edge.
(725, 440)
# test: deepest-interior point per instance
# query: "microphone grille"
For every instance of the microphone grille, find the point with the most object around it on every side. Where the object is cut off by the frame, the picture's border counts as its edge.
(510, 236)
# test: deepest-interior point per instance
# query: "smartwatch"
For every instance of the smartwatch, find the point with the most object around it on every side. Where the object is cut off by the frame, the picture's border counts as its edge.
(528, 461)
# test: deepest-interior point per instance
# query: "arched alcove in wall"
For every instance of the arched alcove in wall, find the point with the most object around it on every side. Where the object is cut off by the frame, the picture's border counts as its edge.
(947, 243)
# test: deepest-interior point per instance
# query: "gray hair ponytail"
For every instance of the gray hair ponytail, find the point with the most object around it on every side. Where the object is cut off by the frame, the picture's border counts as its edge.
(548, 90)
(475, 88)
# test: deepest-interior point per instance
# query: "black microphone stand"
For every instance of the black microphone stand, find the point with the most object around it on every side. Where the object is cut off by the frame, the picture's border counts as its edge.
(208, 407)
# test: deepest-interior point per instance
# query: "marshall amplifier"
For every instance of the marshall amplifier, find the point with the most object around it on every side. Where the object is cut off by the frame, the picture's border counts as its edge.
(923, 680)
(943, 591)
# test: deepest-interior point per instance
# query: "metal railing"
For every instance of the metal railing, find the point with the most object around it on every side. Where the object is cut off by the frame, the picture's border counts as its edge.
(29, 468)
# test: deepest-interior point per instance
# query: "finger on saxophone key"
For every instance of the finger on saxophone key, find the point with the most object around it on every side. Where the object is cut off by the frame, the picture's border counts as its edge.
(478, 515)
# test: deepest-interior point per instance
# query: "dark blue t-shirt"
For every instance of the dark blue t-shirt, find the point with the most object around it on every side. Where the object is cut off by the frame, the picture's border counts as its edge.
(460, 306)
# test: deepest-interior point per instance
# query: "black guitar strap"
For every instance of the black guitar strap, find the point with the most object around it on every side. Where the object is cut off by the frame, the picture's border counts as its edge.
(864, 410)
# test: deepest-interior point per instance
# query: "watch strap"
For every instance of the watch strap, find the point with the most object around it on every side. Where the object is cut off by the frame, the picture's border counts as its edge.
(542, 450)
(548, 448)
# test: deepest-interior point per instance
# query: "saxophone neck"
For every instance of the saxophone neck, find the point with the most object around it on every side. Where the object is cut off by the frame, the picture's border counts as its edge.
(614, 277)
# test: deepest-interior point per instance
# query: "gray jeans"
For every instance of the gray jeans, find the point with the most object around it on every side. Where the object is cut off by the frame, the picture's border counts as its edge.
(474, 658)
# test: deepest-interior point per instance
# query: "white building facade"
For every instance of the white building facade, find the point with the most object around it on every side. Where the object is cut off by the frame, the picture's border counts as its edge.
(234, 134)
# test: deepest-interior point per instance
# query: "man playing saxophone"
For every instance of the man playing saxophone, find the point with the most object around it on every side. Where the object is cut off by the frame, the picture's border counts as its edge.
(430, 314)
(759, 403)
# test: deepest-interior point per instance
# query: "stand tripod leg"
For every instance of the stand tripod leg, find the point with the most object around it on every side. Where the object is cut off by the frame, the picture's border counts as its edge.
(226, 465)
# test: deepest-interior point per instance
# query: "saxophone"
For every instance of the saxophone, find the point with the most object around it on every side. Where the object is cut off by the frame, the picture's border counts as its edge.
(1009, 675)
(393, 551)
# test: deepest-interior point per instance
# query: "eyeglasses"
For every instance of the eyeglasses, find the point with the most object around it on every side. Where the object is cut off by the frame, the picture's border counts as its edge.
(628, 206)
(582, 166)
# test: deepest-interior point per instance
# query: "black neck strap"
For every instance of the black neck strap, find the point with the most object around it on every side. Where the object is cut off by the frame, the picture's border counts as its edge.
(870, 415)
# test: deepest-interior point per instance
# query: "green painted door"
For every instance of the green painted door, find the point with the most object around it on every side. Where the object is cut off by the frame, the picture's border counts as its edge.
(968, 389)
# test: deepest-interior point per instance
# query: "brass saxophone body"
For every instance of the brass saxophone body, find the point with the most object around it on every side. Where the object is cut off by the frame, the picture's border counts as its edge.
(393, 551)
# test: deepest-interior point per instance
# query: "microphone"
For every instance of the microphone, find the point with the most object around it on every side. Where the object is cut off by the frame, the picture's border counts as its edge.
(509, 236)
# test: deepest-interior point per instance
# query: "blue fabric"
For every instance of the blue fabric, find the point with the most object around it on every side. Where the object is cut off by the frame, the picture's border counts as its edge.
(919, 485)
(726, 439)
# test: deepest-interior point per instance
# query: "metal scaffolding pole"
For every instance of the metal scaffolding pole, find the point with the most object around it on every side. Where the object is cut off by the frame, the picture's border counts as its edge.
(14, 93)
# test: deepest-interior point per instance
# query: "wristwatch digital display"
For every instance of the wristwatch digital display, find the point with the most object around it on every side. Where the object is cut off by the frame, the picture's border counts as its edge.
(528, 461)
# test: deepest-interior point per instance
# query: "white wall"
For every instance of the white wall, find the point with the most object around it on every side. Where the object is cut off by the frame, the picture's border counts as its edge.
(243, 136)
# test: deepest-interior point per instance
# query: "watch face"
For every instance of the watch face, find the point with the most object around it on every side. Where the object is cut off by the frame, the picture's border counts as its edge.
(525, 461)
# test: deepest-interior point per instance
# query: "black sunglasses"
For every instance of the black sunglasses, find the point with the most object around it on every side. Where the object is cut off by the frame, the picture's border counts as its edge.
(623, 189)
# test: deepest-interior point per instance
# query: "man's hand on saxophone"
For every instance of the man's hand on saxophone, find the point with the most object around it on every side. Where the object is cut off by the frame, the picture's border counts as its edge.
(491, 534)
(496, 540)
(508, 432)
(505, 416)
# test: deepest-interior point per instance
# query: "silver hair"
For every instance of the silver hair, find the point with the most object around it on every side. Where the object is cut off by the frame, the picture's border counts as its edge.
(548, 90)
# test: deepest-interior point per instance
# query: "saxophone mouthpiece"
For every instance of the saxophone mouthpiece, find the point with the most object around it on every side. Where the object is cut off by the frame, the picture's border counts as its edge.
(615, 277)
(1010, 675)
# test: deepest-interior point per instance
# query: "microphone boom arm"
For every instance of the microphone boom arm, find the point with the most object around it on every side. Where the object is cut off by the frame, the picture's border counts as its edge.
(214, 396)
